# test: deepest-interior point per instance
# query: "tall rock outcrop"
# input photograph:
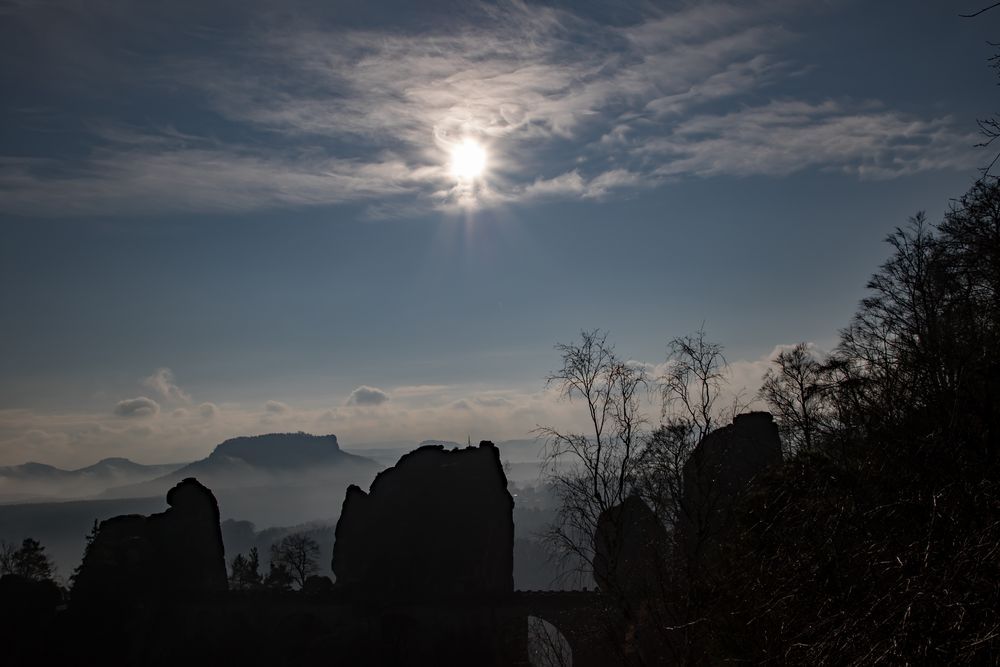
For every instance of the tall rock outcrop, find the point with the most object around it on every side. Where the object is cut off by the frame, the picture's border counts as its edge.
(718, 471)
(631, 548)
(438, 523)
(177, 554)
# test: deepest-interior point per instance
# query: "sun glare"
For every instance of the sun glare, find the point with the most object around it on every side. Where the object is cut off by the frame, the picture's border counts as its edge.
(468, 160)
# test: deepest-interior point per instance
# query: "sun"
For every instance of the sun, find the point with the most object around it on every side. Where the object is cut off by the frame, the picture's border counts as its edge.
(468, 160)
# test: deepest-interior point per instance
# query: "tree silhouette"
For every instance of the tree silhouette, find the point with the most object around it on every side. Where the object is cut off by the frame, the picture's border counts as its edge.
(883, 547)
(988, 127)
(794, 391)
(91, 536)
(29, 561)
(245, 572)
(297, 555)
(595, 471)
(278, 577)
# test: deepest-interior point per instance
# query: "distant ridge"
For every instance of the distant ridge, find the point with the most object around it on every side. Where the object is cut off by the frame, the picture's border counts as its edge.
(33, 482)
(274, 458)
(109, 466)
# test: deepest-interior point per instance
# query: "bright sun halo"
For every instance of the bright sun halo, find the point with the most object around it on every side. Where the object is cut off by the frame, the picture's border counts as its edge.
(468, 159)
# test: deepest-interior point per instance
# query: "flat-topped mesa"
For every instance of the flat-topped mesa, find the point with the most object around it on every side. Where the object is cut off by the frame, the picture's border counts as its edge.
(438, 523)
(177, 554)
(276, 450)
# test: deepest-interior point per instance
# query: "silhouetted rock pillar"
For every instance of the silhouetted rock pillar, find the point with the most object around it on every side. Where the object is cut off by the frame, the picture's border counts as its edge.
(177, 554)
(187, 541)
(630, 550)
(718, 471)
(438, 523)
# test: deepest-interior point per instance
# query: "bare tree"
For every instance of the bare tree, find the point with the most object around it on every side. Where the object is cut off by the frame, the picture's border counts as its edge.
(297, 553)
(794, 391)
(593, 471)
(690, 389)
(988, 127)
(695, 376)
(7, 562)
(547, 647)
(680, 488)
(625, 515)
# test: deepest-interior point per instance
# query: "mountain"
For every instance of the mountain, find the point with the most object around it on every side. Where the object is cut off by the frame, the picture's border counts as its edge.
(33, 481)
(283, 451)
(273, 479)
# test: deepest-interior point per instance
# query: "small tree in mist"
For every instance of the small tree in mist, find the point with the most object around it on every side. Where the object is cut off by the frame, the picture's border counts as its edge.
(278, 578)
(245, 572)
(297, 554)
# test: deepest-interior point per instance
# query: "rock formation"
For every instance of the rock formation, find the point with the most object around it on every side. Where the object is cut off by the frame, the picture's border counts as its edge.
(720, 468)
(631, 550)
(172, 555)
(438, 523)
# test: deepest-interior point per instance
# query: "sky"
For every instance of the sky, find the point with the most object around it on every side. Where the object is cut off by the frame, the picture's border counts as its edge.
(230, 218)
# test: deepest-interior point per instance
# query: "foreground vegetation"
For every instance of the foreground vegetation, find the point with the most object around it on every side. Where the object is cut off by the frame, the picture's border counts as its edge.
(877, 539)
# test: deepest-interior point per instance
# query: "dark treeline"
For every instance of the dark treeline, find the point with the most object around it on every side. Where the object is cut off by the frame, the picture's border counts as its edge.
(877, 541)
(873, 537)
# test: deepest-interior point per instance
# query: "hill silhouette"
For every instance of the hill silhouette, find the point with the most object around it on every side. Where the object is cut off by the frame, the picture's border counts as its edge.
(297, 458)
(32, 481)
(277, 479)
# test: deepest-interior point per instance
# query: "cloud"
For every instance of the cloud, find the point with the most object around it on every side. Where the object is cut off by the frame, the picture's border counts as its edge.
(461, 404)
(442, 412)
(276, 407)
(162, 382)
(208, 410)
(785, 136)
(137, 407)
(230, 179)
(420, 390)
(365, 395)
(569, 108)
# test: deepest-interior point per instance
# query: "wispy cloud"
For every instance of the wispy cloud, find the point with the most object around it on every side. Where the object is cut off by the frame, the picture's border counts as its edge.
(786, 136)
(276, 407)
(162, 382)
(304, 113)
